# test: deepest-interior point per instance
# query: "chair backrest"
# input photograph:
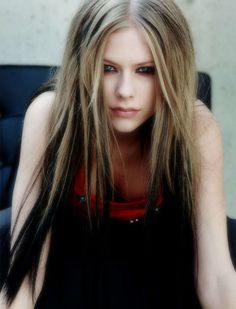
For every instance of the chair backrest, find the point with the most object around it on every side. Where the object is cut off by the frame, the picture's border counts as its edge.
(17, 84)
(204, 88)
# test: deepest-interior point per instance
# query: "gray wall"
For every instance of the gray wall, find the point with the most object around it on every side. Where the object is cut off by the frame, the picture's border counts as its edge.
(212, 23)
(33, 32)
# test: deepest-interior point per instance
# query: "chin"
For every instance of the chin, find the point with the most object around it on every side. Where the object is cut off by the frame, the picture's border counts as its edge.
(125, 130)
(127, 127)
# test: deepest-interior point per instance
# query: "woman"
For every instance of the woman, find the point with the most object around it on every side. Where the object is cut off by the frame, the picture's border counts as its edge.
(119, 201)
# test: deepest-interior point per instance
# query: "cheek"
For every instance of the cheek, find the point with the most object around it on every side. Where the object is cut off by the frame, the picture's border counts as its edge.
(109, 80)
(108, 89)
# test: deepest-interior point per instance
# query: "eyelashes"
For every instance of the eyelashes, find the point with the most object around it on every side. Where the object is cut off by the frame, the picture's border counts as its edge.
(146, 70)
(143, 70)
(109, 68)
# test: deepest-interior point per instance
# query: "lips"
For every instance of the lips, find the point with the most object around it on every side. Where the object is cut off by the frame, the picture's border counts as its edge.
(121, 109)
(124, 112)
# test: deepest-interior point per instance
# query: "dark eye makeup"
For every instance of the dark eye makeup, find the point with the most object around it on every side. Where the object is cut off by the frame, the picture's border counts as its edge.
(108, 68)
(146, 70)
(143, 70)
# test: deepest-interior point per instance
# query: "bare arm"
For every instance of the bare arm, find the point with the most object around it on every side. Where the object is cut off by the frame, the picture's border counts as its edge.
(217, 277)
(32, 147)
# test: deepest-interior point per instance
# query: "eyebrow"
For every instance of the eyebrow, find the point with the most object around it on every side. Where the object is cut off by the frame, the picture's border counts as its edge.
(138, 64)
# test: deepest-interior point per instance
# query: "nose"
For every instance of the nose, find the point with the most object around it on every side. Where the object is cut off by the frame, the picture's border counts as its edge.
(125, 86)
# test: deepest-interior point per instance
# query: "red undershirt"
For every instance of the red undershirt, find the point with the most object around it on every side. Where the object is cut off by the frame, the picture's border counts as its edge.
(119, 210)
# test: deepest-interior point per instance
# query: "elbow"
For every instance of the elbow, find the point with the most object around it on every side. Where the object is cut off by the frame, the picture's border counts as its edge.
(218, 293)
(207, 293)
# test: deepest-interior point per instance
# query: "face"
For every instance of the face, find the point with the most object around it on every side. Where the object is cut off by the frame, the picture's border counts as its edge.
(129, 85)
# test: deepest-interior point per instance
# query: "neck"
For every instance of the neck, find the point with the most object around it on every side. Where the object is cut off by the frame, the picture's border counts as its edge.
(129, 147)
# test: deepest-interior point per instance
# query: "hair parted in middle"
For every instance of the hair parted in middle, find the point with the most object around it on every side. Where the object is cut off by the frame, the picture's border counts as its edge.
(80, 133)
(169, 39)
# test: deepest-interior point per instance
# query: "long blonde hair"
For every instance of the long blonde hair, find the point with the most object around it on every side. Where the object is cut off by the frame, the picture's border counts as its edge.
(79, 127)
(78, 100)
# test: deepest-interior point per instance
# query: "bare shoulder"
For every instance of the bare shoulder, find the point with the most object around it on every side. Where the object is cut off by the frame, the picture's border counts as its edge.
(33, 143)
(37, 116)
(207, 133)
(42, 104)
(35, 128)
(204, 119)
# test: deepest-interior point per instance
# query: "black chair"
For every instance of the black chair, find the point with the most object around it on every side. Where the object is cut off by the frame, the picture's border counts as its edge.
(17, 84)
(5, 220)
(204, 88)
(231, 227)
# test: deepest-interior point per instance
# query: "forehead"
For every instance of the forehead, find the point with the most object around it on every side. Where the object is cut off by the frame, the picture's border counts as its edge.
(127, 44)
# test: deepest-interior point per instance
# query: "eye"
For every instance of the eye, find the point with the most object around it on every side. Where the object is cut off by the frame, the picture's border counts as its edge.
(109, 68)
(146, 70)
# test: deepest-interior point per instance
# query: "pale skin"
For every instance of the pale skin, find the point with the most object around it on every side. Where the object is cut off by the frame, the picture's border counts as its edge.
(127, 86)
